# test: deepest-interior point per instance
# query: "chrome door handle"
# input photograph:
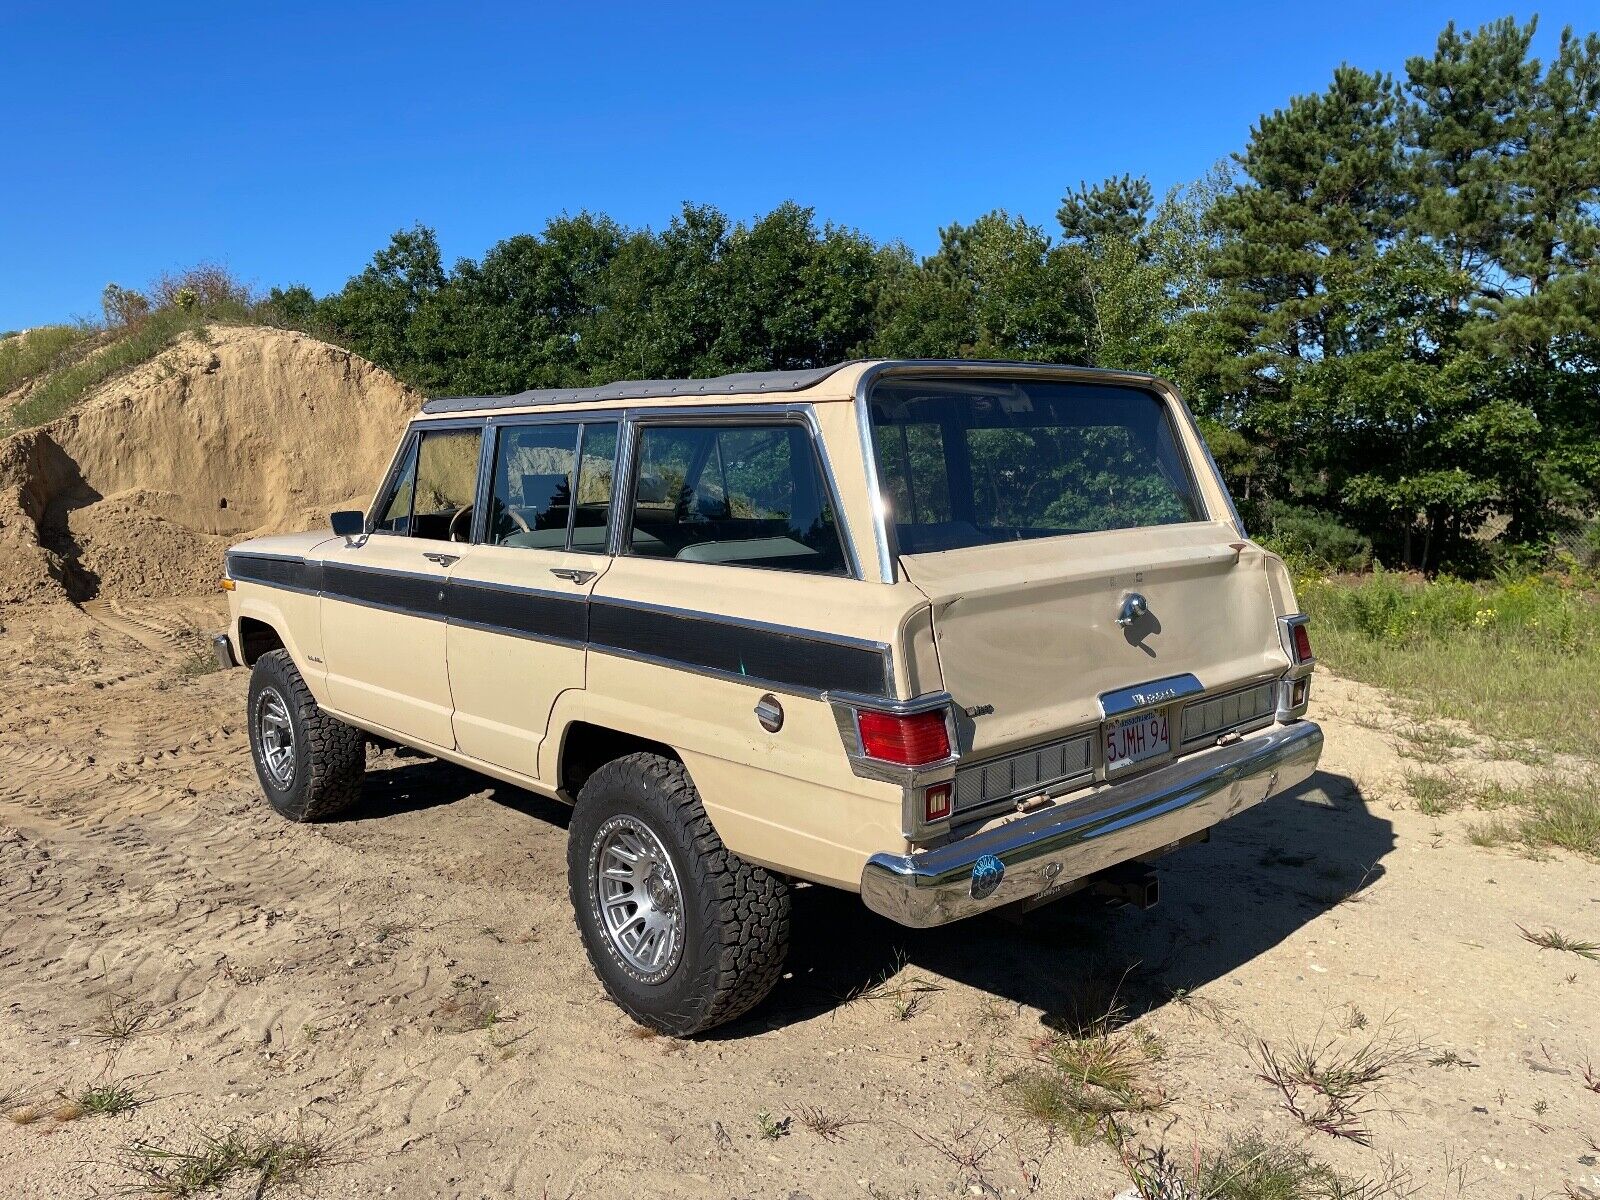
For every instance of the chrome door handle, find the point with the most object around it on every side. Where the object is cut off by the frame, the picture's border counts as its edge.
(444, 560)
(572, 575)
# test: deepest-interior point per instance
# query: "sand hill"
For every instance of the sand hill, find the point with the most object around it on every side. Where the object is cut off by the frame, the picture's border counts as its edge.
(139, 489)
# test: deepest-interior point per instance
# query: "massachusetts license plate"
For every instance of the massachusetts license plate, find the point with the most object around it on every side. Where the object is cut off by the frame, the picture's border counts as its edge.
(1136, 739)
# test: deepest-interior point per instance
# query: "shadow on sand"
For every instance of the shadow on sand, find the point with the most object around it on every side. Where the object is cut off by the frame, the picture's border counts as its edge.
(1263, 875)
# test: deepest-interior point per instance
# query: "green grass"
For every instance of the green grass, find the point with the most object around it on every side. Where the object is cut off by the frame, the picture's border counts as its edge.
(1084, 1085)
(1433, 795)
(1548, 810)
(218, 1160)
(63, 387)
(1248, 1168)
(40, 350)
(1516, 659)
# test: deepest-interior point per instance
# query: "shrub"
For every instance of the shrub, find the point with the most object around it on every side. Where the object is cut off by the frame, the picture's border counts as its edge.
(123, 306)
(36, 351)
(1318, 537)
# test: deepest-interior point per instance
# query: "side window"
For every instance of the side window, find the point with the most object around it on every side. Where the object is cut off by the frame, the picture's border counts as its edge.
(597, 464)
(743, 495)
(531, 493)
(434, 490)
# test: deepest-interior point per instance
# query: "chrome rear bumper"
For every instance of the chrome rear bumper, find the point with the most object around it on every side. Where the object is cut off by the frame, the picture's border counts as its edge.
(1045, 851)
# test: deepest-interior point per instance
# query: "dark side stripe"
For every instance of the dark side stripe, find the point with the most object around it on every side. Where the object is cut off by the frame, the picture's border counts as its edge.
(693, 641)
(734, 648)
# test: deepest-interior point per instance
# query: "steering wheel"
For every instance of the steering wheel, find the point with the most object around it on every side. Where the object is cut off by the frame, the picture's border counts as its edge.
(518, 520)
(459, 531)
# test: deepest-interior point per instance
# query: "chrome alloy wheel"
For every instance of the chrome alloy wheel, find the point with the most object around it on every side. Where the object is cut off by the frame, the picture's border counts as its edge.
(275, 736)
(636, 895)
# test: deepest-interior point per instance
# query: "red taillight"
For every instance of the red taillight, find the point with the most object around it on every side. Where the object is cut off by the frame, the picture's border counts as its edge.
(1302, 644)
(911, 740)
(936, 804)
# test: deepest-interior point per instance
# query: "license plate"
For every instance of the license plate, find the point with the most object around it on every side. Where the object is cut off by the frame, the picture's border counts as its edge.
(1136, 739)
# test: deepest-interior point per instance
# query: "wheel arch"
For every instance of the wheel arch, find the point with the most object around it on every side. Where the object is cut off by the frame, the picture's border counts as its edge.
(586, 746)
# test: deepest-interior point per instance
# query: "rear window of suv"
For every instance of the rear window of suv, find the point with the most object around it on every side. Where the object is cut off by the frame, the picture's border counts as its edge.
(969, 462)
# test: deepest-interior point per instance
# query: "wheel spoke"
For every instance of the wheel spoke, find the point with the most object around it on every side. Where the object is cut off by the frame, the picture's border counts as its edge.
(636, 890)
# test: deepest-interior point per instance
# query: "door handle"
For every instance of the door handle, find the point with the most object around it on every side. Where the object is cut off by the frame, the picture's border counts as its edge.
(444, 560)
(572, 575)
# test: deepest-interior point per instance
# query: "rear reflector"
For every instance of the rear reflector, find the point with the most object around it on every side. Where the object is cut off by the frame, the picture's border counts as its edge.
(936, 803)
(1302, 643)
(911, 740)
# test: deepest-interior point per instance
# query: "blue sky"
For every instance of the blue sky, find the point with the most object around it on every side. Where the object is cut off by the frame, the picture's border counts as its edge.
(288, 142)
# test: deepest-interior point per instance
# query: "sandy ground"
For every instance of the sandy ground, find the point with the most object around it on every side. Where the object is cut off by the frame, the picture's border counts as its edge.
(340, 980)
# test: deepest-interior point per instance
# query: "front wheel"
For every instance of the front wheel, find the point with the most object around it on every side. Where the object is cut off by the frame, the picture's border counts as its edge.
(310, 764)
(683, 934)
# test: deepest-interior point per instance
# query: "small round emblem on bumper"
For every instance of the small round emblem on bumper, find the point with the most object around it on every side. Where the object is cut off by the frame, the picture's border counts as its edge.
(987, 873)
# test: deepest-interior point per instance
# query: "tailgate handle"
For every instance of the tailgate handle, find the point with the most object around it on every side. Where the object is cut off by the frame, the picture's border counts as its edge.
(1133, 607)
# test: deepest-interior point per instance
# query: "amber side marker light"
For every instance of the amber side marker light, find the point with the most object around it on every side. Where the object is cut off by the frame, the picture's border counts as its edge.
(225, 584)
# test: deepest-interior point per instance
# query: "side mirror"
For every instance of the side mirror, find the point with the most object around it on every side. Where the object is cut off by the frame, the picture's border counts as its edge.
(348, 523)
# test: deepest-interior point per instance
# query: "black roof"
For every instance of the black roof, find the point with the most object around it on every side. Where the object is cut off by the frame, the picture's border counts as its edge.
(640, 389)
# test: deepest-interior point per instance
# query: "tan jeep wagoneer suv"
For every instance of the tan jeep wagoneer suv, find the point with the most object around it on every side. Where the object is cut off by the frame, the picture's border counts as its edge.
(952, 635)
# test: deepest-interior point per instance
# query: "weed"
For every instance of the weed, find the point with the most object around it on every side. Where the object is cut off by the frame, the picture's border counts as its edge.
(1433, 795)
(909, 1006)
(826, 1126)
(108, 1099)
(26, 1114)
(1249, 1168)
(1083, 1084)
(1355, 1019)
(1327, 1086)
(1550, 939)
(196, 663)
(772, 1128)
(1591, 1079)
(908, 994)
(1490, 834)
(1430, 743)
(1540, 1107)
(1450, 1060)
(120, 1020)
(1198, 1005)
(216, 1160)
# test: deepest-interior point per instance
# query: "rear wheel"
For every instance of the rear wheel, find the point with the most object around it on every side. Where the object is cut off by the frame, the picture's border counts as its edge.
(683, 934)
(309, 764)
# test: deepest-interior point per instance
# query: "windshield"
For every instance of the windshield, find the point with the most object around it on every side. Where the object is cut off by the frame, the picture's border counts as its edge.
(965, 462)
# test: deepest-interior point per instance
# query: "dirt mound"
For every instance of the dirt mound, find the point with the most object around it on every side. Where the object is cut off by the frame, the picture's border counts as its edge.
(236, 432)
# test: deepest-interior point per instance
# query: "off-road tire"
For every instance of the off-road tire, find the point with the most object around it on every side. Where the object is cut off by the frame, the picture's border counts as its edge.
(330, 757)
(735, 915)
